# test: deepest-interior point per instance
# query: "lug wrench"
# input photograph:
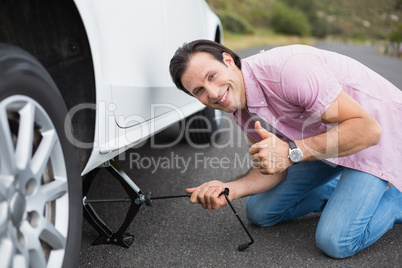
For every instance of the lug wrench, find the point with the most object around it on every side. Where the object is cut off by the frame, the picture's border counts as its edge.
(225, 192)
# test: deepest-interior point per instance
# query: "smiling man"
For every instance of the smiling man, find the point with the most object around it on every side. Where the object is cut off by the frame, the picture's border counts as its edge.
(324, 133)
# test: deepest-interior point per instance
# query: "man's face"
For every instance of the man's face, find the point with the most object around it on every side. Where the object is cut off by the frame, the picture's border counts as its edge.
(216, 85)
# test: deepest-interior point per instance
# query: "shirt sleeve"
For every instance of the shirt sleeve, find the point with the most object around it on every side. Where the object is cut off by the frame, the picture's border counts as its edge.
(308, 82)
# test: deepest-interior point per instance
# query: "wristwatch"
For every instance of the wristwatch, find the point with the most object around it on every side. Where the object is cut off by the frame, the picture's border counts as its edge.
(295, 154)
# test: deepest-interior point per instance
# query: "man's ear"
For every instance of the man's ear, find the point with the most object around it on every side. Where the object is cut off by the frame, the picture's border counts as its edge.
(227, 59)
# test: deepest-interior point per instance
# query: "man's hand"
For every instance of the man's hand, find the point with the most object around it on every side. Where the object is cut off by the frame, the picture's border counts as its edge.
(253, 182)
(270, 155)
(209, 195)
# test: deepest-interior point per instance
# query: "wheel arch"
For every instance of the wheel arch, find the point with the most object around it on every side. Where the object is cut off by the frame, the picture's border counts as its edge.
(53, 32)
(218, 35)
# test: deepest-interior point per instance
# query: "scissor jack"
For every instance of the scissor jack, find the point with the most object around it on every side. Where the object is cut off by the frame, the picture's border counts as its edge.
(136, 198)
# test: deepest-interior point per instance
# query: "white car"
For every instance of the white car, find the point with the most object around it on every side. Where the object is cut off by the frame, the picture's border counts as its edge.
(80, 82)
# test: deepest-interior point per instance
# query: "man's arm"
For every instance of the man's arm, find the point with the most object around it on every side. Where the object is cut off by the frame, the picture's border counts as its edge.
(356, 131)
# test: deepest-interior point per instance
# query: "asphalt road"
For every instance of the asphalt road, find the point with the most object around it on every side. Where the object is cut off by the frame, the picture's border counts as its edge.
(175, 233)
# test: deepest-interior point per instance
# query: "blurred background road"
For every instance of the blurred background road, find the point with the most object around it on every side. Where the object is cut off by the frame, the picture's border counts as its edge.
(175, 233)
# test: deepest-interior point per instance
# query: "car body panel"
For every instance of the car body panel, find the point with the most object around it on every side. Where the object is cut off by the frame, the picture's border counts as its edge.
(131, 44)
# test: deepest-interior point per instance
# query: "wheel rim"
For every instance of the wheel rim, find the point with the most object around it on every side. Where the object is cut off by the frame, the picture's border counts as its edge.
(33, 186)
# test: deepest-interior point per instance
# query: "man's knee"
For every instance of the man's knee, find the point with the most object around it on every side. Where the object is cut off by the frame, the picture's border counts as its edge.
(259, 216)
(332, 245)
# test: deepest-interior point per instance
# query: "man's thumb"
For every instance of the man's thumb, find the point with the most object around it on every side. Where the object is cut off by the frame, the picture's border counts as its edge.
(261, 131)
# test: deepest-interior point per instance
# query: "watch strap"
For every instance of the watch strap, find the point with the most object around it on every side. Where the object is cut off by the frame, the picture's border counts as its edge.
(292, 145)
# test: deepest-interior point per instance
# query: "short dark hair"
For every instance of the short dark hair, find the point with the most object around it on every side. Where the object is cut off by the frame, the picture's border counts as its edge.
(180, 60)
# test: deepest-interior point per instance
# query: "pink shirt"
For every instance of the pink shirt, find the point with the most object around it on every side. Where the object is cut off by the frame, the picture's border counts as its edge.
(290, 88)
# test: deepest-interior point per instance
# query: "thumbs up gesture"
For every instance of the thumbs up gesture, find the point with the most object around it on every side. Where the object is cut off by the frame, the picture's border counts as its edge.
(270, 155)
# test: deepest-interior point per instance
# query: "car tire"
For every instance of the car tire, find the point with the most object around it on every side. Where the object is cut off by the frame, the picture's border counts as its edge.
(40, 182)
(203, 127)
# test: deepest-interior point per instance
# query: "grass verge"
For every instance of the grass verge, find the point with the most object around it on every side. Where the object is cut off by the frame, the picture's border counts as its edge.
(263, 38)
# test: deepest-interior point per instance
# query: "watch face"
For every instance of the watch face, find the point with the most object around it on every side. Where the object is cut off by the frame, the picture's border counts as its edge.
(295, 156)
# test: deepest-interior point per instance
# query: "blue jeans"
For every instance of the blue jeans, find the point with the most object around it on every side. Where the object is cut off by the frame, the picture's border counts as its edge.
(356, 207)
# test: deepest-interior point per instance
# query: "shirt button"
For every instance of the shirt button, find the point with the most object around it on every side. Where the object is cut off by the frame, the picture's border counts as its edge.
(262, 102)
(301, 116)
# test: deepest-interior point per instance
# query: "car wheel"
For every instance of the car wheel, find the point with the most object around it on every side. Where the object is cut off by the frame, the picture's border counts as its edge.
(40, 183)
(203, 127)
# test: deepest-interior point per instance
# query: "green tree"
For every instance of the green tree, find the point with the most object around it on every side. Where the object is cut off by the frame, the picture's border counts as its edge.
(234, 23)
(289, 20)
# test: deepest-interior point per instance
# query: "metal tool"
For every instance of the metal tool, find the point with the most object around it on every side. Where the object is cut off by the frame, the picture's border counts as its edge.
(136, 198)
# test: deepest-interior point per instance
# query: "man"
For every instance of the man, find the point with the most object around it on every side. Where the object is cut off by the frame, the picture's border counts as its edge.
(330, 142)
